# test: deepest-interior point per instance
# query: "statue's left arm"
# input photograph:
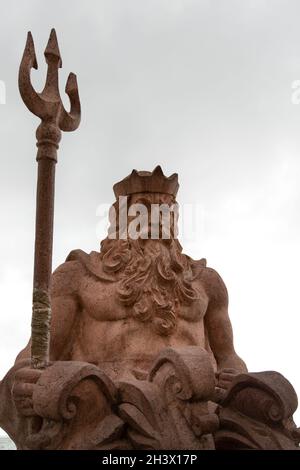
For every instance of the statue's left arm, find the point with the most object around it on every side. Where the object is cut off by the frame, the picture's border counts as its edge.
(219, 329)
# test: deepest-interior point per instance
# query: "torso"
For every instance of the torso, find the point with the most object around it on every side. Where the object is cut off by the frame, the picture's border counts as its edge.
(108, 335)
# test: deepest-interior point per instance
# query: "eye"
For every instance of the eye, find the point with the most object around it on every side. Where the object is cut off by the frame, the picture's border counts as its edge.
(144, 200)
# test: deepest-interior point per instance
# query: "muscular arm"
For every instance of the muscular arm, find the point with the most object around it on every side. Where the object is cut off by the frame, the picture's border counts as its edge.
(65, 306)
(218, 324)
(17, 387)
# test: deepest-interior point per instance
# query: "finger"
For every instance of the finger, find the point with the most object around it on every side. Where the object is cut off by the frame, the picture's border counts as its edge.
(22, 389)
(224, 383)
(25, 406)
(229, 370)
(227, 376)
(24, 403)
(226, 371)
(28, 375)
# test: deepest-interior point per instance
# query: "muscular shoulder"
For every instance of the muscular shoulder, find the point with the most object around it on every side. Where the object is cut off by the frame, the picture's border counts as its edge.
(214, 286)
(66, 279)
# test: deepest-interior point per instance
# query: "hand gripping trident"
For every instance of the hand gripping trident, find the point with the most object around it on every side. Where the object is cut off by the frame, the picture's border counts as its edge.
(48, 106)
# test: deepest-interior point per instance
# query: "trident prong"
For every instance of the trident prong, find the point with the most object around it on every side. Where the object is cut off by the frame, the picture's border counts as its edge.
(32, 99)
(70, 121)
(48, 105)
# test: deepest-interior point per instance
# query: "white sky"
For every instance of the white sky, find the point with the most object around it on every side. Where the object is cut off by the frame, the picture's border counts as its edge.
(204, 89)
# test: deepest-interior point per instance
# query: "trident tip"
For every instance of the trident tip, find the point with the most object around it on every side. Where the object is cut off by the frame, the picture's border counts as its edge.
(52, 49)
(30, 51)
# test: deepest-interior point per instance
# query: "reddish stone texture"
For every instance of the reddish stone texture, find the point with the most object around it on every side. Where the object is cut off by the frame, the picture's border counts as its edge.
(141, 345)
(142, 357)
(48, 106)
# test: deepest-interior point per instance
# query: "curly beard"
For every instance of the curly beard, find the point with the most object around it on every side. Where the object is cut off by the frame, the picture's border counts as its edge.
(154, 279)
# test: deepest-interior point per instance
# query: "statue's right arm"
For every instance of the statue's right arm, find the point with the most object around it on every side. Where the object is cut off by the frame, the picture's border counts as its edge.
(17, 386)
(65, 309)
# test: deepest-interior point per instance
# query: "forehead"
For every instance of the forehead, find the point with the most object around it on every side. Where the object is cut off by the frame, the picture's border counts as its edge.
(158, 198)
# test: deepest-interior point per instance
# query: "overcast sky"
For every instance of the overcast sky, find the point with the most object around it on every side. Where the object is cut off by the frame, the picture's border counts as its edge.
(201, 87)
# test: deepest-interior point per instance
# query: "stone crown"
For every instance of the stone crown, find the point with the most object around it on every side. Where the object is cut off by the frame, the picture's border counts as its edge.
(147, 182)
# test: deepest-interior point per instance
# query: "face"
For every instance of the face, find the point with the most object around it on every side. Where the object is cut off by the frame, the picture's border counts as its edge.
(159, 210)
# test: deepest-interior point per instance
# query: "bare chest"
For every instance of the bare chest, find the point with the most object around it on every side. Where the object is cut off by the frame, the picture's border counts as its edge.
(101, 301)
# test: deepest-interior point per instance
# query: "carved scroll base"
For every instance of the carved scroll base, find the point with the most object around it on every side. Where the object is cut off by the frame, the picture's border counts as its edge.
(78, 406)
(256, 413)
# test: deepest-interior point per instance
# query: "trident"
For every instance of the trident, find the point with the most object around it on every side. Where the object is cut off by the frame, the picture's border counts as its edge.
(48, 106)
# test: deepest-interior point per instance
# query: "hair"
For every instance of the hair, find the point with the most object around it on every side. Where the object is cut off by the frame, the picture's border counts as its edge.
(154, 278)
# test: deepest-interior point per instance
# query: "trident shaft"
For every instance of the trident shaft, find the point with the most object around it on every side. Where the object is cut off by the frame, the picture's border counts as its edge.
(48, 106)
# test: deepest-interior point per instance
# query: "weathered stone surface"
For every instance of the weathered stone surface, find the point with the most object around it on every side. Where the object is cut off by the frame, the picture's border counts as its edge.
(256, 413)
(142, 355)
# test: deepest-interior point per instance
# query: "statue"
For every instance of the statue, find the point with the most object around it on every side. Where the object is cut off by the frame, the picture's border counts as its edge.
(140, 350)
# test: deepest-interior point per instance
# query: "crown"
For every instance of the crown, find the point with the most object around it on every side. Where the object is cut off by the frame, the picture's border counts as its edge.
(147, 182)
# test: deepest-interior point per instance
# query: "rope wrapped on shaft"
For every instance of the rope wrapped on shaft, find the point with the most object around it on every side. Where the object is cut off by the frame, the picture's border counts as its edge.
(40, 327)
